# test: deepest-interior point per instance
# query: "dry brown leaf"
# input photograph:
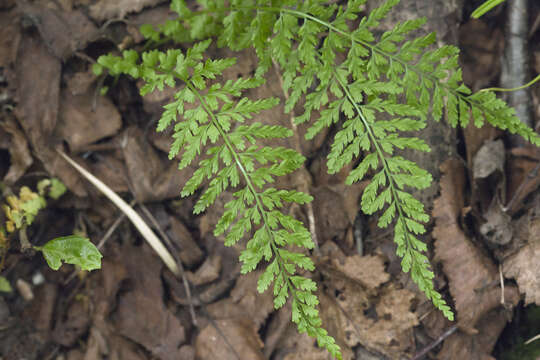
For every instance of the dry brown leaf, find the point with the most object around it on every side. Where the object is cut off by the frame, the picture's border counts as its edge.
(152, 177)
(70, 328)
(20, 156)
(525, 268)
(142, 316)
(81, 124)
(106, 9)
(235, 339)
(498, 226)
(245, 301)
(366, 312)
(384, 326)
(190, 253)
(473, 278)
(207, 272)
(38, 88)
(9, 38)
(369, 271)
(481, 52)
(522, 180)
(475, 347)
(331, 218)
(63, 32)
(489, 159)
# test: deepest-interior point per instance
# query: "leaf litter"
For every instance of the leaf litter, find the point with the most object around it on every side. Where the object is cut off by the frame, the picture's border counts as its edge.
(134, 309)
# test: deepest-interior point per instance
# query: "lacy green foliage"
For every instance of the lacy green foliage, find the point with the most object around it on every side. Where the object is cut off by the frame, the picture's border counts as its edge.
(332, 62)
(207, 116)
(71, 249)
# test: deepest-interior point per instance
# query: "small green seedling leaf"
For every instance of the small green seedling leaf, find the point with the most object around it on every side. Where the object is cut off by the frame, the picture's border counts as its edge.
(72, 249)
(57, 189)
(4, 285)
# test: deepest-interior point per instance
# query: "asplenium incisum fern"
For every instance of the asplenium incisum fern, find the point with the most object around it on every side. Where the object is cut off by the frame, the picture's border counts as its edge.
(334, 62)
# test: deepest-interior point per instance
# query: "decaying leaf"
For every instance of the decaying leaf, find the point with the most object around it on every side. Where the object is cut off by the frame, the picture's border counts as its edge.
(63, 32)
(235, 339)
(106, 9)
(369, 271)
(20, 156)
(525, 268)
(498, 228)
(473, 278)
(82, 124)
(245, 301)
(142, 316)
(153, 177)
(489, 159)
(368, 310)
(207, 272)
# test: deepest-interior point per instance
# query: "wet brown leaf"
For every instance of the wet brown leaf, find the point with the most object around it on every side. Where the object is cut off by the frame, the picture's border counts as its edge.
(242, 341)
(473, 278)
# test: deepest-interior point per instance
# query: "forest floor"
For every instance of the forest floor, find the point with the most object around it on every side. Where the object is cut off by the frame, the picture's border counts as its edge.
(484, 234)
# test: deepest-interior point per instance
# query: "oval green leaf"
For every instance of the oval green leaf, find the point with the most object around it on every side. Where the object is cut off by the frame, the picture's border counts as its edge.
(73, 249)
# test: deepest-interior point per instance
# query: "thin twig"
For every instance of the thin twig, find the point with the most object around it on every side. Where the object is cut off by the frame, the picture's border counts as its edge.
(435, 343)
(304, 185)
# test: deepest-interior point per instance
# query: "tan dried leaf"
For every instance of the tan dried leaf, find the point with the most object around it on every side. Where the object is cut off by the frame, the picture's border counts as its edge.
(367, 270)
(242, 341)
(525, 268)
(473, 278)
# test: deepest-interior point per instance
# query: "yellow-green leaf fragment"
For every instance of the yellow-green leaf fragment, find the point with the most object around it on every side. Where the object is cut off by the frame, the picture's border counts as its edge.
(5, 285)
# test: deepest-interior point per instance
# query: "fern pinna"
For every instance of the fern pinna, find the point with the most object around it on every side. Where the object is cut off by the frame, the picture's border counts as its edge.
(333, 61)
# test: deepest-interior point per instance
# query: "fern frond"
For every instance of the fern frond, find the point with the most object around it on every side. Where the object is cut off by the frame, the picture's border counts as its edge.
(213, 121)
(376, 72)
(350, 76)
